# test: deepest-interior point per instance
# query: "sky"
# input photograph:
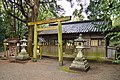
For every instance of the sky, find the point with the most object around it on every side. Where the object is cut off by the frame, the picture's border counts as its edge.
(69, 9)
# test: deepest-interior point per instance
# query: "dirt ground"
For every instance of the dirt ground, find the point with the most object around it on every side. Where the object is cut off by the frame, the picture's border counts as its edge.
(48, 69)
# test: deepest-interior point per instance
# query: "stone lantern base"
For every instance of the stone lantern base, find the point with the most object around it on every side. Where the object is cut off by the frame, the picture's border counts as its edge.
(80, 64)
(23, 56)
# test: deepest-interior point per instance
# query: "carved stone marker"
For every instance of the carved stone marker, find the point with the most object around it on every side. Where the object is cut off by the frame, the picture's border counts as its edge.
(12, 52)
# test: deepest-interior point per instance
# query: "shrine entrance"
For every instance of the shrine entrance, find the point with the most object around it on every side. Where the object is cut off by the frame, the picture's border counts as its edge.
(59, 28)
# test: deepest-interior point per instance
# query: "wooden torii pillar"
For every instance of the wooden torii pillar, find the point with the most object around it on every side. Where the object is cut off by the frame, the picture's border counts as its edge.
(59, 27)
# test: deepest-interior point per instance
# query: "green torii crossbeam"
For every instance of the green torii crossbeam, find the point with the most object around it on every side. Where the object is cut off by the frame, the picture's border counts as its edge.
(59, 28)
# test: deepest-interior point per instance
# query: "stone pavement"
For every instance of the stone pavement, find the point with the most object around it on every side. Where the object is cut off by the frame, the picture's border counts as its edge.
(48, 69)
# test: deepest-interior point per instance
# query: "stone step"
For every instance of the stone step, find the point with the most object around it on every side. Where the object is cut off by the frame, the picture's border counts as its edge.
(80, 67)
(80, 62)
(79, 59)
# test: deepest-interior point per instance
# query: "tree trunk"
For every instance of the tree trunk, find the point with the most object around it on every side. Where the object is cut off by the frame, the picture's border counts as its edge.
(31, 28)
(30, 40)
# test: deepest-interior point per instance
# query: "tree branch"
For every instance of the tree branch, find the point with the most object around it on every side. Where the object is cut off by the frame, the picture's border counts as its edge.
(11, 1)
(21, 7)
(28, 2)
(16, 17)
(4, 4)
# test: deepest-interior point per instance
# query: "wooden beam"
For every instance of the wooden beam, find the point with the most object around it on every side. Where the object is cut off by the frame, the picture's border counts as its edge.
(49, 21)
(48, 28)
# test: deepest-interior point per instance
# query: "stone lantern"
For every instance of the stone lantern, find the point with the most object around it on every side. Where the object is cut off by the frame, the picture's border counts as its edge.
(40, 44)
(23, 54)
(80, 63)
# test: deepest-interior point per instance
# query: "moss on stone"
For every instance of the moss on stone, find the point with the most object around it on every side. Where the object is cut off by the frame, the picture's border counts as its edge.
(66, 69)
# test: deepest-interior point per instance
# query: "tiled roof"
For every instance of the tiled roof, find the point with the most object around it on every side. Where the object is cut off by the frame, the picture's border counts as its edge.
(76, 27)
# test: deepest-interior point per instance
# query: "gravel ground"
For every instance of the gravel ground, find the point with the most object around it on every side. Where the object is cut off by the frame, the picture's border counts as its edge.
(48, 69)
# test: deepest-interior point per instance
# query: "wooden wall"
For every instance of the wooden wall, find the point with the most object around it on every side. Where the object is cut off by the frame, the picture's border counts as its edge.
(90, 51)
(95, 52)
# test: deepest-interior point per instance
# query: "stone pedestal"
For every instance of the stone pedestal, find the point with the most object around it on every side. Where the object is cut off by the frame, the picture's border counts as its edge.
(80, 63)
(23, 55)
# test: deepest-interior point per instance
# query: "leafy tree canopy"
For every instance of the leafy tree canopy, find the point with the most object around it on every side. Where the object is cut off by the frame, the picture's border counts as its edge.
(106, 10)
(1, 29)
(27, 11)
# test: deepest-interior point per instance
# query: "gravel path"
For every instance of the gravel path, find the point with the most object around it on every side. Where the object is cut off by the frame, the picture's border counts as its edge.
(48, 69)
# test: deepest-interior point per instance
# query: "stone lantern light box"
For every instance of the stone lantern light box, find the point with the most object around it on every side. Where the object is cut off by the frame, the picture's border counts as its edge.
(80, 63)
(41, 40)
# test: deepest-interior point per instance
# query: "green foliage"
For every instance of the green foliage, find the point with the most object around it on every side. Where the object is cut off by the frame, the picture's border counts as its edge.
(1, 29)
(23, 13)
(47, 11)
(116, 62)
(116, 21)
(6, 25)
(78, 13)
(105, 10)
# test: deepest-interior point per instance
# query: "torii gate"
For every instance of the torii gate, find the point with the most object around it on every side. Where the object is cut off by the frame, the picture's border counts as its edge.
(59, 27)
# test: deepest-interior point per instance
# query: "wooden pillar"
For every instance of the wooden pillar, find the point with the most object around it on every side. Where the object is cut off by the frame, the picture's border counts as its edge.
(5, 46)
(35, 44)
(60, 48)
(40, 51)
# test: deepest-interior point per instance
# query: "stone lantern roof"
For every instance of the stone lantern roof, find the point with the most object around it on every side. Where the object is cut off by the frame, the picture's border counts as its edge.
(42, 40)
(79, 39)
(12, 40)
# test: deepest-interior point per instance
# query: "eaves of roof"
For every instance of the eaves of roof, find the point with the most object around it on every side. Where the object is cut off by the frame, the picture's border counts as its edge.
(76, 27)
